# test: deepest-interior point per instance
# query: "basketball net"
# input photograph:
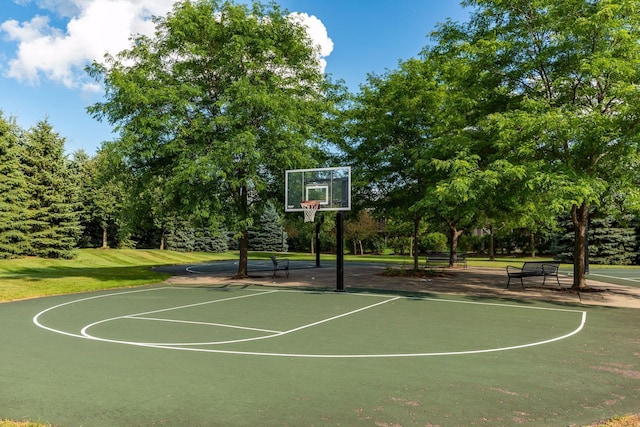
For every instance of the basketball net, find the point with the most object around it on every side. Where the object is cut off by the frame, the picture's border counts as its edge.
(310, 207)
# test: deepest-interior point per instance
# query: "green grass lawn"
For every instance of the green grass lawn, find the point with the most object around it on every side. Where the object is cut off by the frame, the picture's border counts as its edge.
(93, 269)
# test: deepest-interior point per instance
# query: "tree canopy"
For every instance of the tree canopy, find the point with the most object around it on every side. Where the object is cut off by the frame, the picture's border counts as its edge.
(530, 109)
(219, 102)
(573, 70)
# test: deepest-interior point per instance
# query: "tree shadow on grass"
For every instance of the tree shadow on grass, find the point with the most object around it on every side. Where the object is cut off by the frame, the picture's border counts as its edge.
(28, 283)
(136, 273)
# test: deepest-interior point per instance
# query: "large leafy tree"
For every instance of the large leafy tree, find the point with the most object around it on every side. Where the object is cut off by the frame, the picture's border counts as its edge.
(362, 228)
(470, 176)
(13, 194)
(416, 141)
(574, 69)
(391, 127)
(102, 196)
(219, 102)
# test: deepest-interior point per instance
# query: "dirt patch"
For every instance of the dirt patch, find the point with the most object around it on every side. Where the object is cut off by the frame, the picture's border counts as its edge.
(625, 371)
(477, 282)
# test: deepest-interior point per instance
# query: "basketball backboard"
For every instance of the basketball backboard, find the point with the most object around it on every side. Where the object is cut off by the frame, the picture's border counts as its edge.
(329, 186)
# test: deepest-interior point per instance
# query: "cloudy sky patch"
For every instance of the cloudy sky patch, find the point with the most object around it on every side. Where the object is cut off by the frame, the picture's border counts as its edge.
(93, 28)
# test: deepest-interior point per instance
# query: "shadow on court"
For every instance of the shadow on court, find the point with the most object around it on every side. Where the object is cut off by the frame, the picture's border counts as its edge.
(476, 282)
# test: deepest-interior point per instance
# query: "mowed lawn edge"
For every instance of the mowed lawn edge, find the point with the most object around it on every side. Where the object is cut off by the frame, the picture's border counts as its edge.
(91, 270)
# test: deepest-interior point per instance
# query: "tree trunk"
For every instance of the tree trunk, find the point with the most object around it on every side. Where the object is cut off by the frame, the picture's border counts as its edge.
(492, 244)
(104, 237)
(414, 245)
(243, 262)
(532, 243)
(454, 236)
(580, 219)
(361, 248)
(162, 240)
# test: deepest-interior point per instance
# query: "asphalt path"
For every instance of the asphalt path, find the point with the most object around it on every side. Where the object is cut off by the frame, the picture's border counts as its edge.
(231, 267)
(617, 276)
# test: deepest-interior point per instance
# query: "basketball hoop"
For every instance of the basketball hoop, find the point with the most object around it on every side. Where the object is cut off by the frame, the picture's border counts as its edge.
(310, 207)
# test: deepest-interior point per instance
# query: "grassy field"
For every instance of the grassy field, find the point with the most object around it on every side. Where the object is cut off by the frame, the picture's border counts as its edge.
(93, 269)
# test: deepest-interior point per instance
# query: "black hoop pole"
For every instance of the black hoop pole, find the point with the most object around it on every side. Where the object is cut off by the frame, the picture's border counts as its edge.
(339, 252)
(318, 224)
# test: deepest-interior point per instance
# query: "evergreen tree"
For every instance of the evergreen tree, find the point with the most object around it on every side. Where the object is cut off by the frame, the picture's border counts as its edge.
(208, 240)
(53, 218)
(180, 236)
(80, 165)
(612, 241)
(269, 234)
(189, 235)
(562, 245)
(13, 195)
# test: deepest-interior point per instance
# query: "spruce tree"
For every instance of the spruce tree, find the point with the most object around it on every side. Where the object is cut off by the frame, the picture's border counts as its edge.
(53, 219)
(180, 236)
(269, 234)
(211, 240)
(13, 194)
(612, 241)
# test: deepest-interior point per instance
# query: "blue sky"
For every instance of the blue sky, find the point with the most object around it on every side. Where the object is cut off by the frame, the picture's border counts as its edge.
(45, 44)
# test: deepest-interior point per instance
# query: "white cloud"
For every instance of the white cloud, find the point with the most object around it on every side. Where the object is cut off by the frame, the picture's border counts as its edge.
(97, 27)
(318, 34)
(93, 28)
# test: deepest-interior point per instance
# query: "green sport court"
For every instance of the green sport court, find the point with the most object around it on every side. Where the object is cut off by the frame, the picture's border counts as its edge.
(232, 355)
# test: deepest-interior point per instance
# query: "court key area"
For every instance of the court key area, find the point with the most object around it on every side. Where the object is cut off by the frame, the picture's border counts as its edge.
(293, 323)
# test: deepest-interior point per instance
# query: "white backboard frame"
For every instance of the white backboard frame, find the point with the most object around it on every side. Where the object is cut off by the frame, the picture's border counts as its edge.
(334, 179)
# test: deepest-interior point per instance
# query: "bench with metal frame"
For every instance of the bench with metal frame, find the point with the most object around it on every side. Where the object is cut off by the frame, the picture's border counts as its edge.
(280, 264)
(441, 259)
(534, 269)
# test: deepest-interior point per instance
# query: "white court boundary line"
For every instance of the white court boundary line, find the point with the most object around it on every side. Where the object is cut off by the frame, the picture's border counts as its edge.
(85, 335)
(192, 268)
(614, 277)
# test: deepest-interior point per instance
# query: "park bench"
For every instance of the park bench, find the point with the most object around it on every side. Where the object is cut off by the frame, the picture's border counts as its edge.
(534, 269)
(280, 264)
(441, 259)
